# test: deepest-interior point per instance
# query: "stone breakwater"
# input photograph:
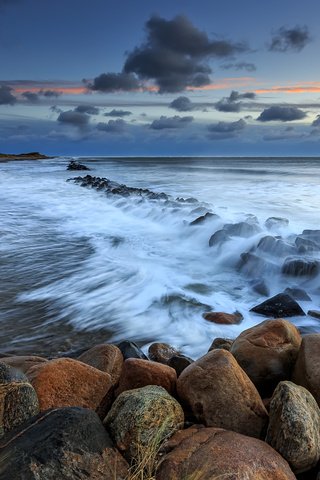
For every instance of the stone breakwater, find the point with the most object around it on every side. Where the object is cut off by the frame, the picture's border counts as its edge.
(246, 410)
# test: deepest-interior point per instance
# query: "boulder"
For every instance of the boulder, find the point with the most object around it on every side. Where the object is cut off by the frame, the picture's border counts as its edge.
(138, 373)
(219, 237)
(253, 265)
(73, 165)
(131, 350)
(242, 229)
(179, 363)
(66, 383)
(9, 374)
(225, 343)
(66, 444)
(220, 394)
(297, 293)
(207, 216)
(261, 288)
(273, 223)
(281, 305)
(314, 314)
(23, 362)
(301, 267)
(294, 426)
(307, 368)
(223, 318)
(107, 358)
(267, 352)
(275, 246)
(305, 245)
(18, 403)
(161, 352)
(214, 453)
(142, 418)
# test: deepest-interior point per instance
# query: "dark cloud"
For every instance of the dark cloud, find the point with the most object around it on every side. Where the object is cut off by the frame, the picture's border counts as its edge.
(6, 97)
(50, 93)
(282, 114)
(72, 117)
(182, 104)
(290, 39)
(89, 109)
(232, 103)
(316, 122)
(112, 126)
(170, 122)
(224, 130)
(115, 82)
(249, 67)
(118, 113)
(31, 97)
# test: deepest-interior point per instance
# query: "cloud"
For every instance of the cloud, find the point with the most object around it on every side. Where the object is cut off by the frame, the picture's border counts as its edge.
(223, 130)
(89, 109)
(182, 104)
(282, 114)
(290, 39)
(31, 97)
(112, 126)
(50, 93)
(171, 122)
(74, 118)
(118, 113)
(115, 82)
(316, 122)
(231, 103)
(6, 97)
(249, 67)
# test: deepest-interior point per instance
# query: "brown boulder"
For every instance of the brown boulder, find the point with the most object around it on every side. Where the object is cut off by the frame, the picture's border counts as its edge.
(307, 368)
(66, 383)
(23, 362)
(219, 343)
(223, 318)
(214, 453)
(161, 352)
(294, 426)
(107, 358)
(138, 373)
(267, 352)
(220, 394)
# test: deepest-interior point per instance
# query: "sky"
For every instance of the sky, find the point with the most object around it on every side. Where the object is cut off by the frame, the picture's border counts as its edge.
(176, 77)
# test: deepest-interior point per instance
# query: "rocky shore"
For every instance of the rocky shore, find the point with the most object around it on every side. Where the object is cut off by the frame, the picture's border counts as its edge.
(246, 410)
(5, 157)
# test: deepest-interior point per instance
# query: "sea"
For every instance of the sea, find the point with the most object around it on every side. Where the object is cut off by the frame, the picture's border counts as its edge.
(80, 267)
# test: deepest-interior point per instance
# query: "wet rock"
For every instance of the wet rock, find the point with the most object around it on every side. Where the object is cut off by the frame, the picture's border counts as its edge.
(276, 247)
(312, 235)
(73, 165)
(18, 403)
(220, 394)
(219, 237)
(161, 352)
(66, 383)
(23, 362)
(131, 350)
(223, 318)
(314, 313)
(214, 453)
(297, 293)
(252, 265)
(301, 267)
(219, 343)
(107, 358)
(267, 352)
(9, 374)
(204, 218)
(261, 288)
(241, 229)
(142, 417)
(294, 426)
(276, 222)
(66, 444)
(179, 363)
(305, 245)
(307, 368)
(138, 373)
(281, 305)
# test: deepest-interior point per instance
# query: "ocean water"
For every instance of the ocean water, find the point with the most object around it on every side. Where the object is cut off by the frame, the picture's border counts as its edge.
(79, 267)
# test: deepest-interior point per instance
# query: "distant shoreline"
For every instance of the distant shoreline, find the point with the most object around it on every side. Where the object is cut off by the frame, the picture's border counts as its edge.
(7, 157)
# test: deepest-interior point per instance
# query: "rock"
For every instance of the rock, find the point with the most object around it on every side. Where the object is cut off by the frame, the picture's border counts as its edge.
(304, 245)
(107, 358)
(261, 288)
(281, 305)
(161, 352)
(218, 343)
(138, 373)
(73, 165)
(131, 350)
(214, 453)
(301, 267)
(307, 368)
(9, 374)
(23, 362)
(223, 318)
(294, 426)
(312, 235)
(275, 246)
(252, 265)
(220, 394)
(179, 363)
(297, 294)
(18, 403)
(242, 229)
(61, 444)
(139, 418)
(204, 218)
(267, 352)
(314, 313)
(66, 383)
(276, 222)
(219, 237)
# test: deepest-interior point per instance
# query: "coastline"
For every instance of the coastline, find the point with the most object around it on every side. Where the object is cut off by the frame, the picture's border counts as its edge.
(7, 157)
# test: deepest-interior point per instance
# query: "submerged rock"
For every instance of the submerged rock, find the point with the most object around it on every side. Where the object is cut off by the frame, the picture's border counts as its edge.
(281, 305)
(242, 229)
(253, 265)
(219, 237)
(300, 267)
(261, 287)
(275, 246)
(161, 352)
(314, 314)
(297, 293)
(223, 318)
(204, 218)
(276, 222)
(73, 165)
